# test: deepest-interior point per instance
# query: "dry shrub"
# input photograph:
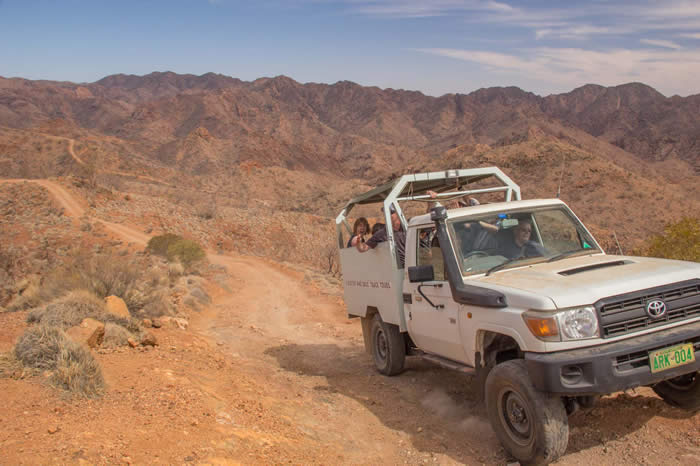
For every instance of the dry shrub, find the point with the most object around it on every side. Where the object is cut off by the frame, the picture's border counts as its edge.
(9, 365)
(39, 346)
(102, 275)
(175, 270)
(116, 335)
(77, 371)
(74, 369)
(70, 311)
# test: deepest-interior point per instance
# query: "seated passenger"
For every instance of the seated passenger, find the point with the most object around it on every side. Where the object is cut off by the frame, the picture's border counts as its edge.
(515, 242)
(359, 230)
(381, 235)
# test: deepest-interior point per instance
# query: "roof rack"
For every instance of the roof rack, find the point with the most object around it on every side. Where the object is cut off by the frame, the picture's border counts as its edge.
(448, 184)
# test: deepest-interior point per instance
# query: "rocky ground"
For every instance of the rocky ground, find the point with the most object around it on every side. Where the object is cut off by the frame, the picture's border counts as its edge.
(272, 371)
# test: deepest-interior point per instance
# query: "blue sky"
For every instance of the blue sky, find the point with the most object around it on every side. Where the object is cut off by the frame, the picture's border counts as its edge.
(435, 47)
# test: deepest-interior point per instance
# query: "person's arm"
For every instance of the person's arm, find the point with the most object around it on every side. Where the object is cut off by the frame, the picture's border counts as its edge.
(356, 239)
(433, 195)
(489, 227)
(362, 247)
(371, 243)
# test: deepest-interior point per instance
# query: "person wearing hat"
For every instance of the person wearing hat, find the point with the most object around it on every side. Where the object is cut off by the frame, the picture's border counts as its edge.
(381, 236)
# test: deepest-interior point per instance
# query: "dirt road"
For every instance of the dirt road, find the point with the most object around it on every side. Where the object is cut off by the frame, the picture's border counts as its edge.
(273, 371)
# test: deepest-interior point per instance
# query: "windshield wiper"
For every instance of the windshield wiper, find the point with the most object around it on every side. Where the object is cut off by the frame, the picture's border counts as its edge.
(503, 264)
(568, 253)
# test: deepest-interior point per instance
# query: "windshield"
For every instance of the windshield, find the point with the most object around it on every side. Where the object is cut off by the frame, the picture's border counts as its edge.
(484, 244)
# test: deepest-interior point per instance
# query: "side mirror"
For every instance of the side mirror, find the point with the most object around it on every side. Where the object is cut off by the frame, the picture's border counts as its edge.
(421, 273)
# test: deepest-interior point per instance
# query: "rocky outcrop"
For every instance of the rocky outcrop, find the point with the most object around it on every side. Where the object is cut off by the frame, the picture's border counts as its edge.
(116, 306)
(90, 333)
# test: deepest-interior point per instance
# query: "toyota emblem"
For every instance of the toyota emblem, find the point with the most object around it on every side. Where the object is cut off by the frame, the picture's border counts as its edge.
(656, 309)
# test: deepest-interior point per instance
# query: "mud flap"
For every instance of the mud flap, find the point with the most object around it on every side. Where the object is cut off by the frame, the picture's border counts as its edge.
(367, 332)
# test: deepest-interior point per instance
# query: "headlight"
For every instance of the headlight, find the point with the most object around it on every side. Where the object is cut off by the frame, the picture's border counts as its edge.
(570, 324)
(578, 324)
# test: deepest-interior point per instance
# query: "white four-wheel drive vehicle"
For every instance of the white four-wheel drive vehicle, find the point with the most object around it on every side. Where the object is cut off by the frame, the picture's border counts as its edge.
(519, 293)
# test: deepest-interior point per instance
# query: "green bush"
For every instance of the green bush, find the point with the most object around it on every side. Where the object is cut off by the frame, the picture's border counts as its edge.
(176, 249)
(159, 244)
(185, 251)
(680, 241)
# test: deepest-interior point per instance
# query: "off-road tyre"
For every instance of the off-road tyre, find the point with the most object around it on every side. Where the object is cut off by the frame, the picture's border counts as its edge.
(388, 347)
(682, 392)
(531, 425)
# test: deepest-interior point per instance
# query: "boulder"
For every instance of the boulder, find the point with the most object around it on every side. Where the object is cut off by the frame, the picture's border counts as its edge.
(132, 342)
(90, 333)
(149, 339)
(116, 306)
(147, 323)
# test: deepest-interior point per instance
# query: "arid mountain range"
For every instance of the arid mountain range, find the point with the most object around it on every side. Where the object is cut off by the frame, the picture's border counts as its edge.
(628, 158)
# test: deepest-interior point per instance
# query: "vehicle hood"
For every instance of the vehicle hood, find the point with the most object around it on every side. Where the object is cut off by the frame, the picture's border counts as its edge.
(584, 280)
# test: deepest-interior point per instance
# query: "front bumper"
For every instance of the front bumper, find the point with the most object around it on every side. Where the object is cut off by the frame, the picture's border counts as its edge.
(611, 367)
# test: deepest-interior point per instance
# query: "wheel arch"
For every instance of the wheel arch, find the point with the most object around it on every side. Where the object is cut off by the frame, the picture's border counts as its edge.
(493, 346)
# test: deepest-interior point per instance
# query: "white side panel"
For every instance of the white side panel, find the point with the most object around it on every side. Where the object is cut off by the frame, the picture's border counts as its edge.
(371, 279)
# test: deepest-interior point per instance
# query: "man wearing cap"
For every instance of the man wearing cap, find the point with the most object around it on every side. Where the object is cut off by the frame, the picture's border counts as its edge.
(381, 236)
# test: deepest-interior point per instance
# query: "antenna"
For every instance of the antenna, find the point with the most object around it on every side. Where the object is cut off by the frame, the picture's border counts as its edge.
(619, 249)
(561, 175)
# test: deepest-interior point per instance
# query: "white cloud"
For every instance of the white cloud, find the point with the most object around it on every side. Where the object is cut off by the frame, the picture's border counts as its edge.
(567, 68)
(425, 8)
(661, 43)
(691, 36)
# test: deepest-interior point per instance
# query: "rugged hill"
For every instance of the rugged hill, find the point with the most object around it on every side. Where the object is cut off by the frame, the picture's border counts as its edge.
(274, 143)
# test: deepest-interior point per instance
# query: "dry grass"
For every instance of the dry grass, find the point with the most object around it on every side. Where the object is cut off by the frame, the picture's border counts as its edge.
(77, 371)
(9, 365)
(73, 367)
(39, 346)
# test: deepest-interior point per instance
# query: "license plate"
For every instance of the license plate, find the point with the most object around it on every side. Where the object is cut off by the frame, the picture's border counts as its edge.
(668, 358)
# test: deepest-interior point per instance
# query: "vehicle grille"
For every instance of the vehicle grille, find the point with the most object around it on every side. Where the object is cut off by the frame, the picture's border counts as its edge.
(631, 361)
(624, 314)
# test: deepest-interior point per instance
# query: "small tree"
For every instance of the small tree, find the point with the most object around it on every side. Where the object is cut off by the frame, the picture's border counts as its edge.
(330, 260)
(680, 241)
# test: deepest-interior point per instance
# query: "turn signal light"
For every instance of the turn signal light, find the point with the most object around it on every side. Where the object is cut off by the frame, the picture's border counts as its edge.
(542, 327)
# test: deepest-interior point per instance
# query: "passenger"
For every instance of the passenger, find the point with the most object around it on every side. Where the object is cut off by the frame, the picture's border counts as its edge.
(515, 242)
(377, 226)
(359, 230)
(381, 236)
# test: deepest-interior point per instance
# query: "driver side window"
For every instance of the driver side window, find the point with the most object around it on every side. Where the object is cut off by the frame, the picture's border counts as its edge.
(429, 252)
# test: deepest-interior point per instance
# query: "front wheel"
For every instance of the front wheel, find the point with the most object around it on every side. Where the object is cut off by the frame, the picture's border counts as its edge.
(388, 347)
(682, 392)
(531, 425)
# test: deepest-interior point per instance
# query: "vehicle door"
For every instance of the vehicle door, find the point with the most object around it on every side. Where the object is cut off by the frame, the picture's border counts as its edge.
(434, 327)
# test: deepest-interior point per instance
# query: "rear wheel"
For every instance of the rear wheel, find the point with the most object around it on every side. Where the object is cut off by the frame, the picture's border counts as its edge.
(681, 392)
(531, 425)
(388, 347)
